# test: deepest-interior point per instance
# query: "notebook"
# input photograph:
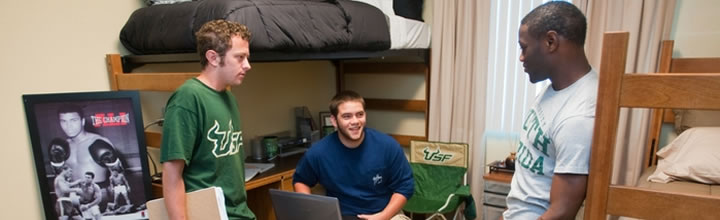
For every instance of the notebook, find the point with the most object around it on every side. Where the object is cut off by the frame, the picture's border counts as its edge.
(202, 204)
(300, 206)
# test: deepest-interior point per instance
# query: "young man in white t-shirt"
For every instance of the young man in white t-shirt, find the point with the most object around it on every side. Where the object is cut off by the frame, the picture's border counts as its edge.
(553, 156)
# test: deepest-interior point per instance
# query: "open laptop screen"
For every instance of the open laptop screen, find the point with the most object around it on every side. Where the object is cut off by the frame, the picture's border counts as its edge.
(292, 206)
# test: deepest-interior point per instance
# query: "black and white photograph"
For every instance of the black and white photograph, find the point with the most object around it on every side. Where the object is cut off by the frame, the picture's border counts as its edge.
(90, 155)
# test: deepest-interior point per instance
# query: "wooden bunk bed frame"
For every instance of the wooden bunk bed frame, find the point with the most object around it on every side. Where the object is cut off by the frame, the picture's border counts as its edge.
(658, 91)
(668, 64)
(403, 61)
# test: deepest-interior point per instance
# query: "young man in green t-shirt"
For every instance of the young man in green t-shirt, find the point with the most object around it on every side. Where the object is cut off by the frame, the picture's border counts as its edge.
(202, 140)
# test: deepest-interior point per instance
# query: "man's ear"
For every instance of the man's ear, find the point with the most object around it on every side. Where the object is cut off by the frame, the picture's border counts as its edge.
(552, 41)
(334, 121)
(212, 57)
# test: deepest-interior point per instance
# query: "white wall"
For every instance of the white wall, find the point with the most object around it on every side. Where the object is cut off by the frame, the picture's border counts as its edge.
(696, 29)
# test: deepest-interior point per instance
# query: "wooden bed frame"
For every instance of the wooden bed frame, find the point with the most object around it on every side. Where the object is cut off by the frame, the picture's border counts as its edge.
(404, 61)
(668, 64)
(659, 91)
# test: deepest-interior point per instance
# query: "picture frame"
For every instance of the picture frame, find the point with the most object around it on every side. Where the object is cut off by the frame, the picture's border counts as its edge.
(326, 125)
(90, 154)
(325, 120)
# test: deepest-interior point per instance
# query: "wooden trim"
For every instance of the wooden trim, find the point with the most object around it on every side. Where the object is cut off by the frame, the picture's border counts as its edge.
(499, 177)
(385, 68)
(255, 183)
(612, 68)
(427, 96)
(670, 90)
(153, 81)
(665, 56)
(404, 140)
(653, 135)
(636, 202)
(396, 105)
(694, 65)
(114, 67)
(153, 139)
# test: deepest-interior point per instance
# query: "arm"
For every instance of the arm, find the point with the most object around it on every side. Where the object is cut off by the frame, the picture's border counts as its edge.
(302, 188)
(127, 185)
(397, 201)
(566, 195)
(174, 189)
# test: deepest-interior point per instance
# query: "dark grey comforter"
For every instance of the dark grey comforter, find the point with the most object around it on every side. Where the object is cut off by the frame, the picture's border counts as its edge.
(276, 25)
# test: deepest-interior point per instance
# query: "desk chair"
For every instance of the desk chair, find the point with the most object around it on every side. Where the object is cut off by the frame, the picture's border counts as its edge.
(439, 170)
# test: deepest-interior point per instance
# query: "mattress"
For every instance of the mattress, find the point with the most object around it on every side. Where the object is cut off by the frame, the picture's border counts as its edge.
(677, 186)
(276, 25)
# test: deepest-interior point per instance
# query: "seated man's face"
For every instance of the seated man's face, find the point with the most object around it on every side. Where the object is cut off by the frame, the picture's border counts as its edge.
(71, 123)
(350, 120)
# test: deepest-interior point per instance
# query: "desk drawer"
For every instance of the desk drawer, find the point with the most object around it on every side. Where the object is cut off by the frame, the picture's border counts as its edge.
(492, 213)
(495, 199)
(497, 187)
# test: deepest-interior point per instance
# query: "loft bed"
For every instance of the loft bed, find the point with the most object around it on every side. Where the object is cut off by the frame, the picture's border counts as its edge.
(373, 40)
(681, 89)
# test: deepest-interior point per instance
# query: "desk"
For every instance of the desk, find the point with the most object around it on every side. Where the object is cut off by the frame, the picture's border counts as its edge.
(497, 186)
(278, 177)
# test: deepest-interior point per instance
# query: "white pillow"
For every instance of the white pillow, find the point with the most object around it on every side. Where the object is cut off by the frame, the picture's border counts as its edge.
(694, 155)
(386, 6)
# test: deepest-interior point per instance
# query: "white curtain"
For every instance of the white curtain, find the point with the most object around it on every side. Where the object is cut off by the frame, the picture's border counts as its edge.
(648, 22)
(457, 81)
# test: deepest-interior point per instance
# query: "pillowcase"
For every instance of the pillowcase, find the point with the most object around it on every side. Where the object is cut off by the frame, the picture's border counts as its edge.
(694, 155)
(162, 2)
(411, 9)
(685, 119)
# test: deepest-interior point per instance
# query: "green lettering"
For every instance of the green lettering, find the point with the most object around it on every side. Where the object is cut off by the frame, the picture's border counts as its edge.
(541, 142)
(538, 166)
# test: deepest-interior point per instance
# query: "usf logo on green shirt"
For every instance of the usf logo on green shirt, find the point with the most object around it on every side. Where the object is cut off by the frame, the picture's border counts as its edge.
(528, 158)
(226, 142)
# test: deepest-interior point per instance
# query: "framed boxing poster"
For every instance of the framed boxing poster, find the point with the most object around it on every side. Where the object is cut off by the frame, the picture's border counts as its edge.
(90, 156)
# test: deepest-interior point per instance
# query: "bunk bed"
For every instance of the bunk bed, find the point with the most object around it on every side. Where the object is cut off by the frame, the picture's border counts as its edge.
(693, 84)
(363, 37)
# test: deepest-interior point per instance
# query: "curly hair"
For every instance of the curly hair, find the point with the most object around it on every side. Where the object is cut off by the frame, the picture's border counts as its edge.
(216, 35)
(562, 17)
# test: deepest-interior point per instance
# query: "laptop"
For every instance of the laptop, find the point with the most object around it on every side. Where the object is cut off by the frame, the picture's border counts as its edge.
(300, 206)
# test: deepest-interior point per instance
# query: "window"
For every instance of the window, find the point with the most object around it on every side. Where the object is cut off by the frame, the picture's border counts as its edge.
(509, 90)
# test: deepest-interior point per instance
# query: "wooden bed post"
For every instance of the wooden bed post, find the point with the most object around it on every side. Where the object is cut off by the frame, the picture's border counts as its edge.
(612, 68)
(114, 66)
(657, 115)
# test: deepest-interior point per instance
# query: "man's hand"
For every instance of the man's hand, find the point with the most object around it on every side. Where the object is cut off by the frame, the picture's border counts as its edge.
(376, 216)
(302, 188)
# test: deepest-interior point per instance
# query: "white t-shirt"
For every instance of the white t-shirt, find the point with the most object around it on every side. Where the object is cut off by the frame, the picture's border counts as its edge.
(555, 138)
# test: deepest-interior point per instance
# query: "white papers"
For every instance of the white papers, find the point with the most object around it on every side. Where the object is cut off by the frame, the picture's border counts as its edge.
(202, 204)
(252, 169)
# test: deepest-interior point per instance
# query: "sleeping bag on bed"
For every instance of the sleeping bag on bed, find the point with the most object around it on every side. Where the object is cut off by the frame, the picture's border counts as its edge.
(276, 25)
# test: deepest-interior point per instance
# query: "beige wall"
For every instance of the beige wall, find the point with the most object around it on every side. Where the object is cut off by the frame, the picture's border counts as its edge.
(60, 46)
(48, 46)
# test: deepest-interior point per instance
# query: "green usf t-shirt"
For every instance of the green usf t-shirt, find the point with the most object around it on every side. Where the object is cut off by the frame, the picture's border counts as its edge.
(202, 127)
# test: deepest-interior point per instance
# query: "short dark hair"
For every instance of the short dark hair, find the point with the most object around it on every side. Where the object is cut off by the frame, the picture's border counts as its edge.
(561, 17)
(92, 175)
(69, 108)
(217, 35)
(342, 97)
